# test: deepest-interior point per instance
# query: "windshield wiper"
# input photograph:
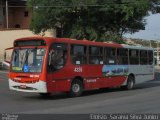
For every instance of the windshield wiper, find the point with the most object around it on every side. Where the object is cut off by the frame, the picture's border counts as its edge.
(25, 64)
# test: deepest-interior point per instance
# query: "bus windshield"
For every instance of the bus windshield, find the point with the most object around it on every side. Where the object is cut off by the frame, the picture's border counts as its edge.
(27, 59)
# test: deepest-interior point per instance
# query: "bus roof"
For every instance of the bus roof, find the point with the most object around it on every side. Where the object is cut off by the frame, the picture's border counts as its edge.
(137, 47)
(50, 40)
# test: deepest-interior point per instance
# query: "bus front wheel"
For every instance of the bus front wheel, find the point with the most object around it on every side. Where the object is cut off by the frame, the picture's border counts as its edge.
(76, 88)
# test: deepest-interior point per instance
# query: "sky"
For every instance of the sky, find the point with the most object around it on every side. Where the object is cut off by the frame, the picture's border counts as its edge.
(152, 29)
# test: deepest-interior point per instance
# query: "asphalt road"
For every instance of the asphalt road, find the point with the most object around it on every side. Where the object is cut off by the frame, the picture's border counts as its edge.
(144, 98)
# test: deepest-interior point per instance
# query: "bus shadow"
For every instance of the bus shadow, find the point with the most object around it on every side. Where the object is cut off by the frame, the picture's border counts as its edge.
(146, 85)
(149, 84)
(157, 76)
(59, 96)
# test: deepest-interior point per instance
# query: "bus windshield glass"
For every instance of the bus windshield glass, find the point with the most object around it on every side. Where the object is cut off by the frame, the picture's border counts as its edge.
(27, 59)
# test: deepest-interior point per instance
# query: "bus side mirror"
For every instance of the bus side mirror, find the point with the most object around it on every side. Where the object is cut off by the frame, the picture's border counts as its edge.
(5, 55)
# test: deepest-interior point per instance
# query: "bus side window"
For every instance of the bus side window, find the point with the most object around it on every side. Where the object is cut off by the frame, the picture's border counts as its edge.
(150, 57)
(122, 56)
(110, 56)
(78, 54)
(95, 55)
(143, 57)
(57, 57)
(134, 57)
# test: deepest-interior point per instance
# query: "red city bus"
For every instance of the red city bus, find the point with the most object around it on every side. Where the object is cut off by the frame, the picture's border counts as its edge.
(45, 65)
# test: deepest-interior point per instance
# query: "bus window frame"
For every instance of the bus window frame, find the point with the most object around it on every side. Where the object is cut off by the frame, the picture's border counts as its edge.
(143, 57)
(85, 55)
(105, 55)
(121, 56)
(52, 47)
(99, 56)
(132, 56)
(152, 57)
(29, 47)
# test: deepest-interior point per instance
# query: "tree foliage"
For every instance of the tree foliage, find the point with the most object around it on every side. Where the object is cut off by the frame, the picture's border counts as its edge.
(91, 19)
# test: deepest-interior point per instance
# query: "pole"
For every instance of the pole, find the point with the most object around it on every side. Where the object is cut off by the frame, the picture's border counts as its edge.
(7, 14)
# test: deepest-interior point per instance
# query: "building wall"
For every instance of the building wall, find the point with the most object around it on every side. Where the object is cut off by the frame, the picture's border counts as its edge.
(8, 36)
(17, 18)
(1, 15)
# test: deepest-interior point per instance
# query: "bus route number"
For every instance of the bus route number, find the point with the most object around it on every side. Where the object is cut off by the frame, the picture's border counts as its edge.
(78, 69)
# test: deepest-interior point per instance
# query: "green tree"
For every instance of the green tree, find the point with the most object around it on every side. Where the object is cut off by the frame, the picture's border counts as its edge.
(91, 19)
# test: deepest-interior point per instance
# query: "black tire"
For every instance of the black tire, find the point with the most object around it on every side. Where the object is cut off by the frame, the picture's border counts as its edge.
(130, 83)
(76, 88)
(45, 95)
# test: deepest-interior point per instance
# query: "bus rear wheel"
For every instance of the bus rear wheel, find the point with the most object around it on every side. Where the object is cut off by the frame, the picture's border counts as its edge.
(76, 88)
(130, 83)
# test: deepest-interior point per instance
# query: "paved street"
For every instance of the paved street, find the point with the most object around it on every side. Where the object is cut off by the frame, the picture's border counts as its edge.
(144, 98)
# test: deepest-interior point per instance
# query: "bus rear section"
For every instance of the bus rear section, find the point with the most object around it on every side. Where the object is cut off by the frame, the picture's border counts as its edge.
(27, 66)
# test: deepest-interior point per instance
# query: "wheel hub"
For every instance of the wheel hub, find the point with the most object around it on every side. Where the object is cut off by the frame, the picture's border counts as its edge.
(75, 88)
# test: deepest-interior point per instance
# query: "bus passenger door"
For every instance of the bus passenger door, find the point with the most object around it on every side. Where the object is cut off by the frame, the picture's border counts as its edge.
(57, 59)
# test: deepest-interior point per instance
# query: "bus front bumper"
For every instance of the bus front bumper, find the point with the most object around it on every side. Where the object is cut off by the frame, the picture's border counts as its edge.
(38, 87)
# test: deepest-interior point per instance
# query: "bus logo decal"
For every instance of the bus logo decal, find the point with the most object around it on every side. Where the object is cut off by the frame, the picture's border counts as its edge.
(78, 69)
(115, 70)
(91, 80)
(26, 69)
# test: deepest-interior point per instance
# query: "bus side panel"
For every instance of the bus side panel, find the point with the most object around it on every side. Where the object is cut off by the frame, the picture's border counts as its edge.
(60, 81)
(114, 81)
(59, 86)
(62, 85)
(104, 82)
(92, 75)
(50, 86)
(142, 73)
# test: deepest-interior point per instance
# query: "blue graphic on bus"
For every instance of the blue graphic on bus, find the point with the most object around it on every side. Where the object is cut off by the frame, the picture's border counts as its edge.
(115, 70)
(26, 68)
